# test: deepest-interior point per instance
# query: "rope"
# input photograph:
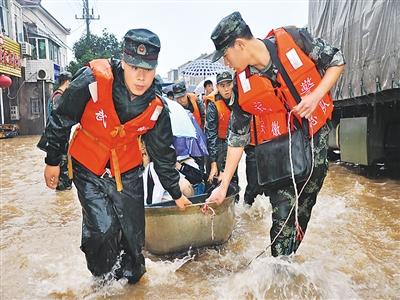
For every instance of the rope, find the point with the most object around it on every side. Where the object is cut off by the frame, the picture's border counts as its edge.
(206, 210)
(299, 232)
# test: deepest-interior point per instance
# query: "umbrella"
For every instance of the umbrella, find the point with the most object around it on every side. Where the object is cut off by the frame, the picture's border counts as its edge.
(203, 68)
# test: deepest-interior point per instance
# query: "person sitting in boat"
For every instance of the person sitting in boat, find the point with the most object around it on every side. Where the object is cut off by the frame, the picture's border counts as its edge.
(189, 143)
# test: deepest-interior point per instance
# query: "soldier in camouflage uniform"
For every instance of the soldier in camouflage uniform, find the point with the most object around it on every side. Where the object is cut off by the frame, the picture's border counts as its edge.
(233, 40)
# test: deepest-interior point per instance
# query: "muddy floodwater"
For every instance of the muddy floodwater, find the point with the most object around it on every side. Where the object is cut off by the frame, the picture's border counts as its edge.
(351, 249)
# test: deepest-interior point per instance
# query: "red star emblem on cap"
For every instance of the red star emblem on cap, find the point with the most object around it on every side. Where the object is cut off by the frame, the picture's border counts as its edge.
(141, 49)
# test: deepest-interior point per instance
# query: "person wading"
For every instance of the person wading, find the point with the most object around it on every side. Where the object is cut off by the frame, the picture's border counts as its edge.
(115, 103)
(303, 57)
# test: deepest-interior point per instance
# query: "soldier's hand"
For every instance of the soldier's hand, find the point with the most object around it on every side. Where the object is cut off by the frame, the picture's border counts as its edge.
(213, 172)
(51, 174)
(182, 202)
(307, 105)
(218, 195)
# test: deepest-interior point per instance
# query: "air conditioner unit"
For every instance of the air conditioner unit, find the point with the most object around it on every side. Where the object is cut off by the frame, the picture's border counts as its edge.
(42, 74)
(26, 49)
(42, 69)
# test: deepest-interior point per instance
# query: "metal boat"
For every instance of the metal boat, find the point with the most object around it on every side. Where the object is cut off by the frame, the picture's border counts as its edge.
(170, 230)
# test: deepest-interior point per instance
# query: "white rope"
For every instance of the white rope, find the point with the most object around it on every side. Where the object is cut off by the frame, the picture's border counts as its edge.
(297, 194)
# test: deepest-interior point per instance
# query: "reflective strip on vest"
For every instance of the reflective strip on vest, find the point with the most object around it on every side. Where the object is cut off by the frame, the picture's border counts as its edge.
(258, 97)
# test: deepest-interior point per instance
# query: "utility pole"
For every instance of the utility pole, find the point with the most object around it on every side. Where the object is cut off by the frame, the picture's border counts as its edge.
(87, 17)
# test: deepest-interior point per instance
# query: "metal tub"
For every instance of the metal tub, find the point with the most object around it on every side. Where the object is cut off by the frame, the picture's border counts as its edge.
(170, 230)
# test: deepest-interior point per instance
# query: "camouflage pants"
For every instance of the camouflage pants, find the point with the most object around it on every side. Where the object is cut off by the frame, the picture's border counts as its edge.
(283, 199)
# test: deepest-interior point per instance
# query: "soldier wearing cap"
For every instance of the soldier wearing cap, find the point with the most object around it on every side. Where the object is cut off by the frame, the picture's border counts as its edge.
(217, 121)
(190, 102)
(263, 93)
(115, 103)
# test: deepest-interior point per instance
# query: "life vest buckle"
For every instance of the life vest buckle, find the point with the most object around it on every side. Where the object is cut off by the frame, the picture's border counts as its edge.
(107, 171)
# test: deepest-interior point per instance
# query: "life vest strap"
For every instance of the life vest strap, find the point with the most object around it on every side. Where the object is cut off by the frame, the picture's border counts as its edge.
(117, 171)
(69, 158)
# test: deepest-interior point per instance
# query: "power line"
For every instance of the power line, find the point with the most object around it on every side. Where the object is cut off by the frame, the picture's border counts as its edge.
(87, 17)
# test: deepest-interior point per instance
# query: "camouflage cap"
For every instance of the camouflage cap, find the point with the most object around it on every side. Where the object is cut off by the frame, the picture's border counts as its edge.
(141, 48)
(227, 30)
(224, 76)
(179, 89)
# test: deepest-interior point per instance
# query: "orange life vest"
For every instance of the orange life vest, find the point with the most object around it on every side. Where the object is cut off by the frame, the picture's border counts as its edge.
(258, 97)
(224, 115)
(196, 110)
(102, 138)
(212, 94)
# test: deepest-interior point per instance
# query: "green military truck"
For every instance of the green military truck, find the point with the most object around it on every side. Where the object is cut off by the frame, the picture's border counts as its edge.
(366, 118)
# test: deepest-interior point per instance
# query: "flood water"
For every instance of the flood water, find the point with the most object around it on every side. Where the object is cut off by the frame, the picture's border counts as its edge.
(351, 249)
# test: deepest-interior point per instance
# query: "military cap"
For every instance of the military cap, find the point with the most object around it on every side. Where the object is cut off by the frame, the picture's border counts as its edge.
(179, 89)
(224, 76)
(227, 30)
(141, 48)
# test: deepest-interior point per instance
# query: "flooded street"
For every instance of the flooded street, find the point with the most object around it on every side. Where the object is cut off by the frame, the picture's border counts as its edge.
(351, 249)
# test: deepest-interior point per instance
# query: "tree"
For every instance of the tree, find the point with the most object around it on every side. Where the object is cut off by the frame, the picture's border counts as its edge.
(85, 50)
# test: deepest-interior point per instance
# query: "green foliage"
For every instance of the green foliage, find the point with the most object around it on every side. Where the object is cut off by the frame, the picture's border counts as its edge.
(85, 50)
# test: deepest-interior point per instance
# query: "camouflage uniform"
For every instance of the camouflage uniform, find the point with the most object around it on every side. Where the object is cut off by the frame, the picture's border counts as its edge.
(282, 200)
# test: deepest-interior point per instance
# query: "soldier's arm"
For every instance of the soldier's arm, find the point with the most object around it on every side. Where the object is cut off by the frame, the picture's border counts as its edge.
(211, 131)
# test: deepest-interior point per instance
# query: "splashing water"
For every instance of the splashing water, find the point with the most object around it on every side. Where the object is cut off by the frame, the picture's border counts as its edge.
(350, 250)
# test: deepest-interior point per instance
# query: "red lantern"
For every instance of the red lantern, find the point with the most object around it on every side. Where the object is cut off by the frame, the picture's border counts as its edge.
(5, 81)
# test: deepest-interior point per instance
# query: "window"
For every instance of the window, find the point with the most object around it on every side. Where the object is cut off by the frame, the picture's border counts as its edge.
(18, 24)
(35, 106)
(14, 113)
(42, 48)
(39, 49)
(54, 51)
(3, 18)
(34, 50)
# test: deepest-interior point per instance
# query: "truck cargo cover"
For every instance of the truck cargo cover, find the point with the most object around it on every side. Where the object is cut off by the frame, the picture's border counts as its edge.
(368, 33)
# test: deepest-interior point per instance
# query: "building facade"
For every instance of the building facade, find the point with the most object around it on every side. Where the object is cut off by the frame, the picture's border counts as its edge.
(11, 37)
(43, 54)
